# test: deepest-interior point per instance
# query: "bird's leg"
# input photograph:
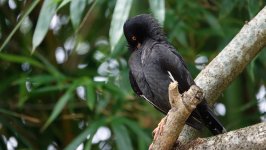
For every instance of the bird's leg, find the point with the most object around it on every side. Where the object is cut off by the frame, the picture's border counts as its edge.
(159, 129)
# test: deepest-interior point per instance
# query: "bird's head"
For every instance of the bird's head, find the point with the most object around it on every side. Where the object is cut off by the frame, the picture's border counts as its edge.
(141, 28)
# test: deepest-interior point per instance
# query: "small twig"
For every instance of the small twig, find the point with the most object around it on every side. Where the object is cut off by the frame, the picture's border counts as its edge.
(181, 108)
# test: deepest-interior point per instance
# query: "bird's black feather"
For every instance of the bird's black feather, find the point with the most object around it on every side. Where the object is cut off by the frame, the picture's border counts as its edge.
(151, 63)
(134, 84)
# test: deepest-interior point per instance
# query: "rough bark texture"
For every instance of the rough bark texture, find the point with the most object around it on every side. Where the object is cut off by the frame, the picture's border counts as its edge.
(231, 61)
(252, 137)
(188, 133)
(181, 108)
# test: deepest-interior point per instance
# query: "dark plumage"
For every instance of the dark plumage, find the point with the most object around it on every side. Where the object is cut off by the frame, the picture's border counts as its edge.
(153, 60)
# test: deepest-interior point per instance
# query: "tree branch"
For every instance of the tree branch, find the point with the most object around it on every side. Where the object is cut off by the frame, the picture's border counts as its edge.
(181, 107)
(230, 62)
(252, 137)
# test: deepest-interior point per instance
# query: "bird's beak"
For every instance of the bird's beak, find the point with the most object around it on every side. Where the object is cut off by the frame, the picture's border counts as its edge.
(138, 46)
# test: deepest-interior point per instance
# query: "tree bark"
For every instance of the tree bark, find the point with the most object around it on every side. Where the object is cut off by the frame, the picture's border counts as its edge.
(171, 125)
(252, 137)
(230, 62)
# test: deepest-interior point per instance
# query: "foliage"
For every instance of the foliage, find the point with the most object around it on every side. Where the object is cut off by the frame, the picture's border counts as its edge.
(64, 71)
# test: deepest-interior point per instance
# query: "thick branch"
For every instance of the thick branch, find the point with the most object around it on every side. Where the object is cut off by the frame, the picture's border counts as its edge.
(252, 137)
(232, 60)
(229, 63)
(173, 123)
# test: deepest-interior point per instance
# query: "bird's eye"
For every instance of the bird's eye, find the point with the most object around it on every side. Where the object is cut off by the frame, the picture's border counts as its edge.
(133, 38)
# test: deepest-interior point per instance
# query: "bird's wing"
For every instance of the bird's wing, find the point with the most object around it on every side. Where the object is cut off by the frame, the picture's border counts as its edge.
(179, 56)
(138, 81)
(136, 89)
(134, 84)
(172, 63)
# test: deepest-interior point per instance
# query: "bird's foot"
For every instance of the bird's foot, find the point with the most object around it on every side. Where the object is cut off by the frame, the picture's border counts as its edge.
(159, 129)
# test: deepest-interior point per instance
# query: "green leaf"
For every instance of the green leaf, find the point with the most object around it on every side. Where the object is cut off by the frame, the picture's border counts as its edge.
(52, 69)
(50, 88)
(47, 12)
(247, 106)
(90, 94)
(119, 17)
(40, 79)
(137, 130)
(63, 3)
(158, 9)
(60, 105)
(144, 139)
(32, 6)
(23, 93)
(262, 57)
(122, 138)
(44, 79)
(20, 136)
(233, 97)
(253, 7)
(114, 89)
(226, 7)
(181, 36)
(83, 25)
(251, 70)
(20, 59)
(214, 23)
(9, 113)
(89, 131)
(77, 8)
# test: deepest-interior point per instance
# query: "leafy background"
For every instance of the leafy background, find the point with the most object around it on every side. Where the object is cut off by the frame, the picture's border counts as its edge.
(64, 82)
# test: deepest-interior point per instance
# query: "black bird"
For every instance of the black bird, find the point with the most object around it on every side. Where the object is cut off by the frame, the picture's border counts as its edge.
(154, 63)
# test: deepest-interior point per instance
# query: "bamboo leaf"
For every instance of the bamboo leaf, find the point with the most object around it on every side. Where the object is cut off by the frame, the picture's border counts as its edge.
(50, 89)
(214, 23)
(90, 94)
(158, 9)
(122, 138)
(32, 6)
(50, 67)
(251, 70)
(60, 105)
(19, 135)
(77, 8)
(137, 130)
(253, 7)
(89, 131)
(20, 59)
(63, 3)
(47, 12)
(23, 93)
(227, 7)
(119, 17)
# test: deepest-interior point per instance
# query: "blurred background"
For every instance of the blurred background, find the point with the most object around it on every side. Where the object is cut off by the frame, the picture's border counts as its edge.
(64, 74)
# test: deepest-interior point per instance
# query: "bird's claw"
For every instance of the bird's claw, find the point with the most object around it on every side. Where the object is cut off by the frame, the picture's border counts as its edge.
(159, 129)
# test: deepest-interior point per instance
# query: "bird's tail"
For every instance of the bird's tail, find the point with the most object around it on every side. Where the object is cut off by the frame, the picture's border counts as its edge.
(210, 120)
